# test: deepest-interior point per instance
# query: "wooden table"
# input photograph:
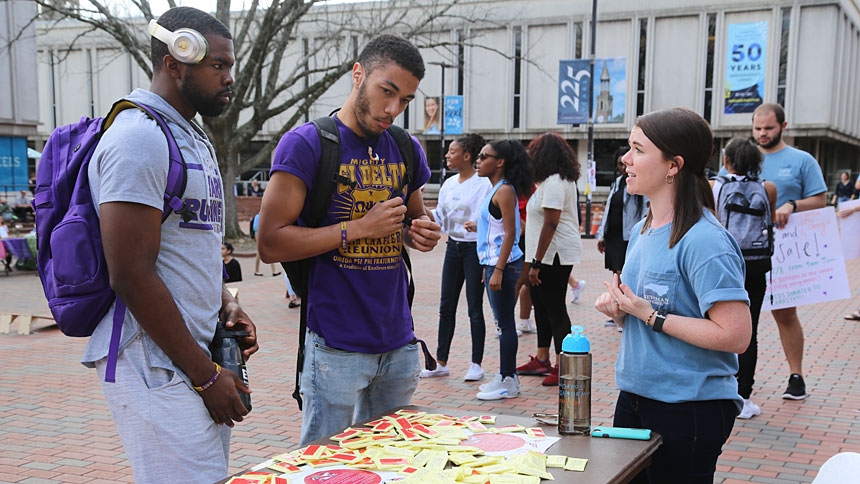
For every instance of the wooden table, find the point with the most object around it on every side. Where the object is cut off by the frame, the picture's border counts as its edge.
(612, 461)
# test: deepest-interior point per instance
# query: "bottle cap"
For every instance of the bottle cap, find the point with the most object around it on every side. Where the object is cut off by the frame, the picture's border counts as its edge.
(221, 332)
(576, 342)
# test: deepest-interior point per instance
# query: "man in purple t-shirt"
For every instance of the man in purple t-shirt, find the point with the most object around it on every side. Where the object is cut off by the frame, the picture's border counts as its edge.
(360, 355)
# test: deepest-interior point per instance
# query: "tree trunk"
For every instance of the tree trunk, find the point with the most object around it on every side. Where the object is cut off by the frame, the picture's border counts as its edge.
(228, 163)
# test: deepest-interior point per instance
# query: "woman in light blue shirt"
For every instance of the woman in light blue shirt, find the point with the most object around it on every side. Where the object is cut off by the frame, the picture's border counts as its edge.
(681, 301)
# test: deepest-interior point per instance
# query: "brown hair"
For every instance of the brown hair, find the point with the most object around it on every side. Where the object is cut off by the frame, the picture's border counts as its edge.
(682, 132)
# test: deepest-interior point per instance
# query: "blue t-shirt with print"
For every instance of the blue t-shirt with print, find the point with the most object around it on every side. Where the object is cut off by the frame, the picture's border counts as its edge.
(357, 297)
(704, 267)
(795, 173)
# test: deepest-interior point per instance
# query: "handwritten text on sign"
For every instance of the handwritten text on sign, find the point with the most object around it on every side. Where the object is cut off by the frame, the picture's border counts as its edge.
(808, 265)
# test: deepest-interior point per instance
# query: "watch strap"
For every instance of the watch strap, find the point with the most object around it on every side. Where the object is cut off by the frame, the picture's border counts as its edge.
(659, 319)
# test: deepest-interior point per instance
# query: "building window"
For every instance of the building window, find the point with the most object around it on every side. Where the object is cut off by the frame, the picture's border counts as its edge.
(577, 40)
(783, 55)
(305, 79)
(518, 53)
(461, 62)
(640, 84)
(709, 67)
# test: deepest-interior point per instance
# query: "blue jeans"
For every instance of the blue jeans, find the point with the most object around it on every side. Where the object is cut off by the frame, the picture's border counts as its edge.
(340, 388)
(693, 436)
(503, 303)
(461, 265)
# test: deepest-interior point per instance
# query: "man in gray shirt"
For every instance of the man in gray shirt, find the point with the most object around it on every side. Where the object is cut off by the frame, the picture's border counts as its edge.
(173, 407)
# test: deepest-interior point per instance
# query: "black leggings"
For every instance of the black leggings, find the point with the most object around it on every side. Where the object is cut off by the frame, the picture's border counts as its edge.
(551, 318)
(755, 284)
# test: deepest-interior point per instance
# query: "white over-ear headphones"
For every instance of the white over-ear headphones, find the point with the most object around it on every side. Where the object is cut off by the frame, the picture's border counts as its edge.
(185, 45)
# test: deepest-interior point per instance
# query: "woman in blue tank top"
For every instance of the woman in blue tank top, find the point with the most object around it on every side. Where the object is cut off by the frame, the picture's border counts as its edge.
(506, 165)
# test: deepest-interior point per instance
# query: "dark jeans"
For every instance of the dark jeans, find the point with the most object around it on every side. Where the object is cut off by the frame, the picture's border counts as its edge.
(503, 303)
(548, 299)
(693, 436)
(461, 265)
(755, 284)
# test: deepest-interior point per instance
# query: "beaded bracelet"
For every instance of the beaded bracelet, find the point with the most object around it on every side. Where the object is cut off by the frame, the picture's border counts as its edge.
(648, 322)
(343, 242)
(212, 380)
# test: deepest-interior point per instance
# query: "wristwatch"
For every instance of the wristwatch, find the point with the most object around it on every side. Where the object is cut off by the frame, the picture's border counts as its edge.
(793, 204)
(535, 264)
(659, 319)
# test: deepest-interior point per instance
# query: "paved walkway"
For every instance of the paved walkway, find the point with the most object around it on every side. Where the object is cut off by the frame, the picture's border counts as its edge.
(55, 427)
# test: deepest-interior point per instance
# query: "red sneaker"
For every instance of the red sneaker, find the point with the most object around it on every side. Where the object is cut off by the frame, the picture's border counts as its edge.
(535, 367)
(551, 380)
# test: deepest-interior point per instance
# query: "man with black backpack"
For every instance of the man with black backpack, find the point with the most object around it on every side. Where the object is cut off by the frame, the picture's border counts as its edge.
(800, 186)
(361, 355)
(173, 406)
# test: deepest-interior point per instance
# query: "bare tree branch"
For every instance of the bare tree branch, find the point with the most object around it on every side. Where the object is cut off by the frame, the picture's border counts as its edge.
(288, 55)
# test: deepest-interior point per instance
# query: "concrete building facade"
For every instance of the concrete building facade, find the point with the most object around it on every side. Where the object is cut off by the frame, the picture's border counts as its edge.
(663, 53)
(19, 112)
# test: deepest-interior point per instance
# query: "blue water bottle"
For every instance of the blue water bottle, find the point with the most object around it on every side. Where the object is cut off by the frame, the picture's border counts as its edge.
(574, 384)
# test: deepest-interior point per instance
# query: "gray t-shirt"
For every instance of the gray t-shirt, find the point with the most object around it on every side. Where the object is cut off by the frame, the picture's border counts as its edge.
(130, 164)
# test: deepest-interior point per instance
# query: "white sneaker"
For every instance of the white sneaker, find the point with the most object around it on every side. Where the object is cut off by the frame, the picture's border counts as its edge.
(576, 292)
(750, 410)
(497, 380)
(525, 326)
(475, 373)
(507, 387)
(439, 371)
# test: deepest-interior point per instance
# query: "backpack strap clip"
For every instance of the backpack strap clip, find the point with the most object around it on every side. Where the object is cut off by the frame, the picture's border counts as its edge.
(339, 179)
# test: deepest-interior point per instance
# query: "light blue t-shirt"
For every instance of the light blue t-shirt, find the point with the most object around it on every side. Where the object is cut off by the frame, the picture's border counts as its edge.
(704, 267)
(795, 173)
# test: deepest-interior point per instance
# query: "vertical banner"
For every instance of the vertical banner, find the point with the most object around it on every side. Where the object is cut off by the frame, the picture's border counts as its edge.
(808, 267)
(610, 89)
(13, 163)
(431, 115)
(574, 89)
(453, 114)
(745, 67)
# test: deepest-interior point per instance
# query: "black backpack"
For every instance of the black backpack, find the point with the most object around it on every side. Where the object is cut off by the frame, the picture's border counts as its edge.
(744, 209)
(326, 179)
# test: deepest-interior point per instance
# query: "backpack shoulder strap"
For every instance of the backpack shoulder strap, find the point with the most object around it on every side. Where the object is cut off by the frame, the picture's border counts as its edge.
(328, 170)
(177, 177)
(407, 151)
(722, 179)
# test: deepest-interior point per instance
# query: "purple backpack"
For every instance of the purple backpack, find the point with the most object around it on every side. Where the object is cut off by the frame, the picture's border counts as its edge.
(71, 260)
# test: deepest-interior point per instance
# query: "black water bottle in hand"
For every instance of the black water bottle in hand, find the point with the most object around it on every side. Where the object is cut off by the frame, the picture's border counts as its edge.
(226, 352)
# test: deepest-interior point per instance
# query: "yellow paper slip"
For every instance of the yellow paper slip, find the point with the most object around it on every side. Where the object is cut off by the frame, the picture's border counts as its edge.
(575, 464)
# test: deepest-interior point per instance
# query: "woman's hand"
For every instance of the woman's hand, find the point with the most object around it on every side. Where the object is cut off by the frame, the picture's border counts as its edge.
(496, 280)
(534, 276)
(620, 300)
(470, 226)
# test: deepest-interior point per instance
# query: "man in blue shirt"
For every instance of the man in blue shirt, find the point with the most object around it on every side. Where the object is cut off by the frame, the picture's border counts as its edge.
(799, 186)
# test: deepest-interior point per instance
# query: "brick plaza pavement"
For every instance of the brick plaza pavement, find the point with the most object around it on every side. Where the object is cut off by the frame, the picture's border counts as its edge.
(55, 426)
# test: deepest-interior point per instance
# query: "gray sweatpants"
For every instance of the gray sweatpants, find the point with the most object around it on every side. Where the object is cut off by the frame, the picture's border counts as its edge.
(165, 428)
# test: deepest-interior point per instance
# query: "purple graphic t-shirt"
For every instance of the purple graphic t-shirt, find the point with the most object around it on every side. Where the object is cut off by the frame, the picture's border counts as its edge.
(357, 297)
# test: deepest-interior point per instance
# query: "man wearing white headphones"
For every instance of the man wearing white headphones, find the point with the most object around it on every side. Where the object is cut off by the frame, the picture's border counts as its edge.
(174, 408)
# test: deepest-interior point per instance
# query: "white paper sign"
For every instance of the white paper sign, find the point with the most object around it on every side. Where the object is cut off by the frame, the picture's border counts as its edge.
(849, 229)
(808, 264)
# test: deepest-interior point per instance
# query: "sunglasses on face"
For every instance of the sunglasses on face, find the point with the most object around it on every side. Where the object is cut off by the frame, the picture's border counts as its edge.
(482, 156)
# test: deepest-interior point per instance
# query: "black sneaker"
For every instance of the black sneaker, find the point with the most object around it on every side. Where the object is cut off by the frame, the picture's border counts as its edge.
(796, 388)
